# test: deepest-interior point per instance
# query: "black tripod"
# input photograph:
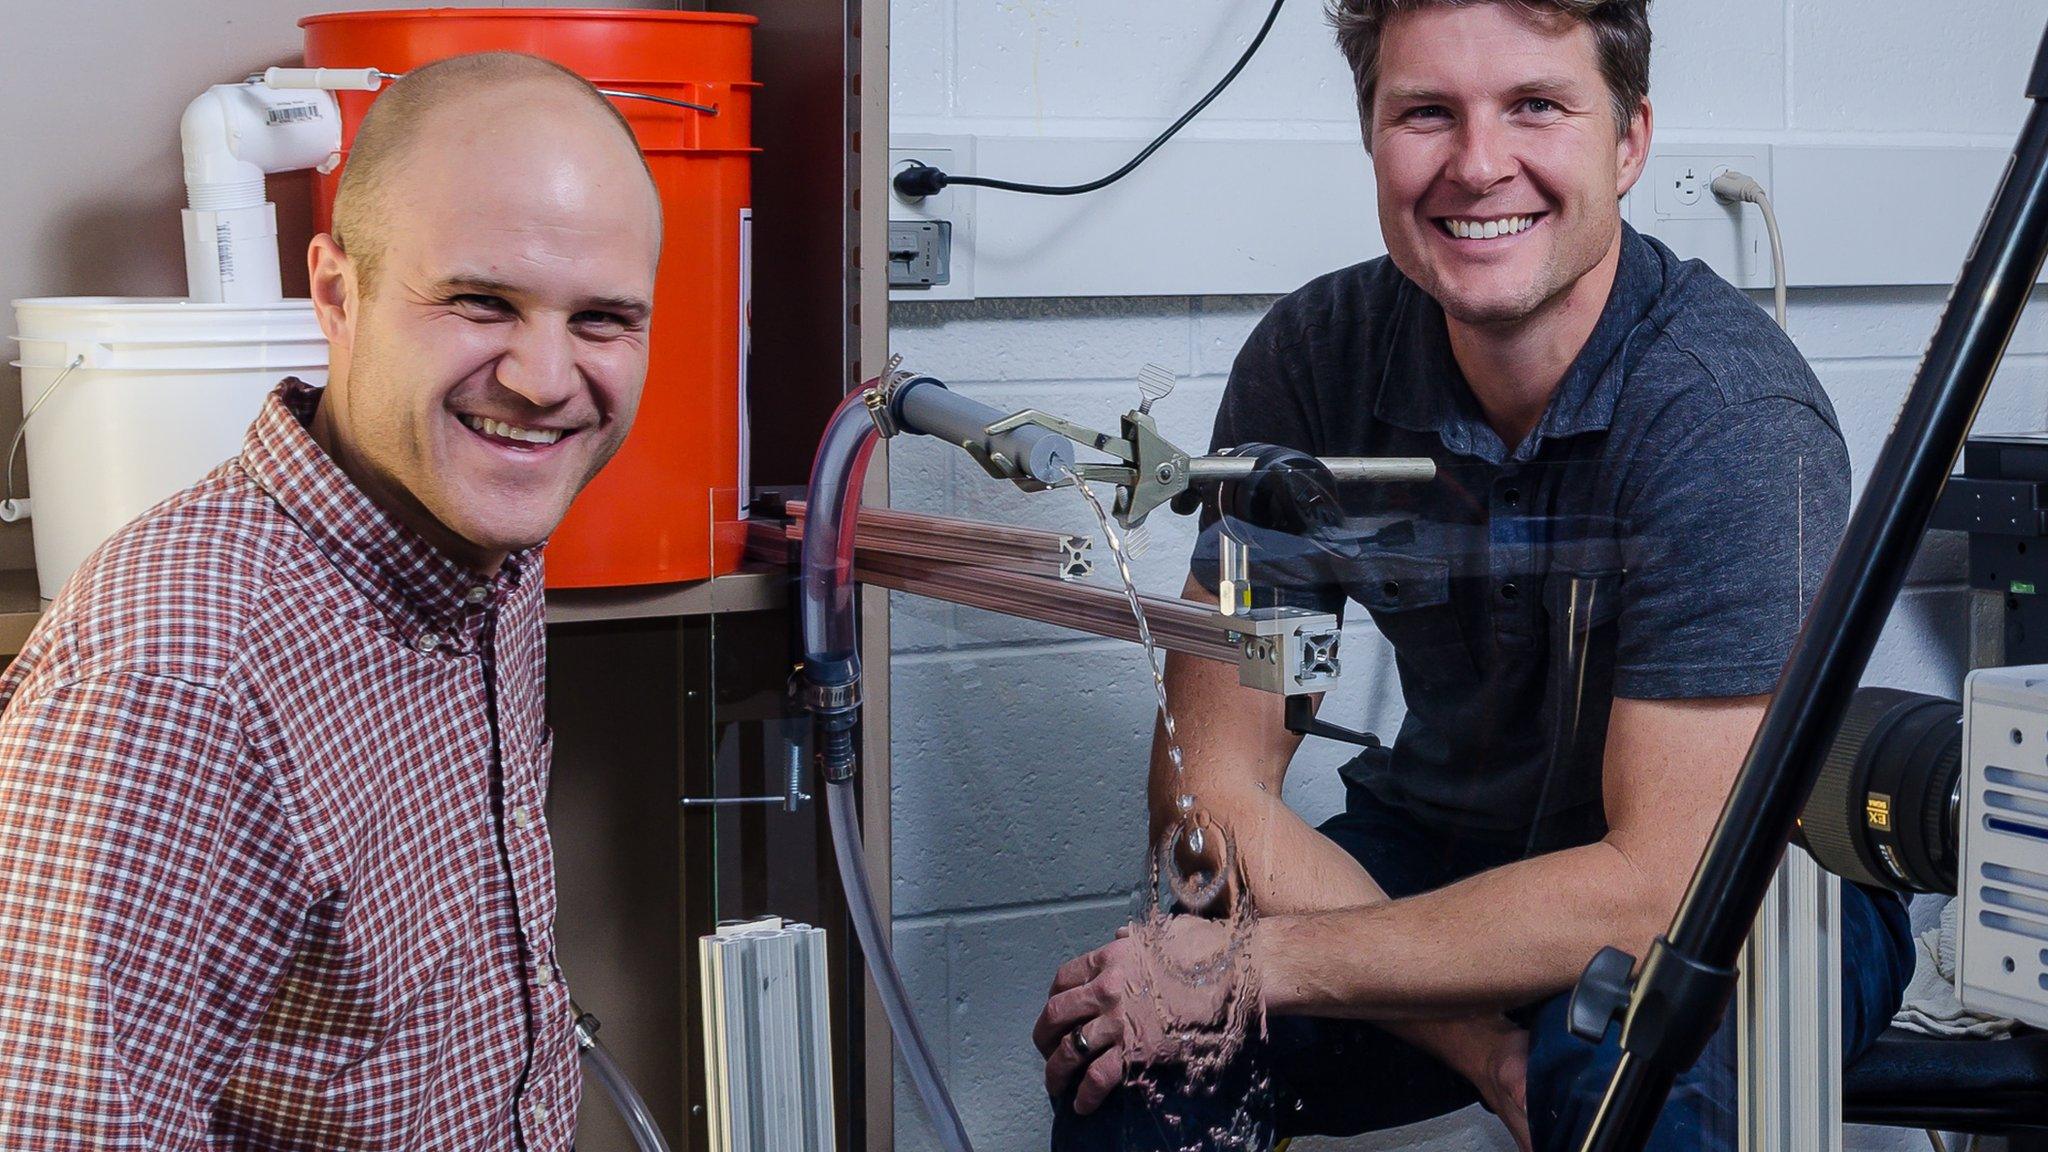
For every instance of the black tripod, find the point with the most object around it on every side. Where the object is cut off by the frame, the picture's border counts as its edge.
(1673, 1005)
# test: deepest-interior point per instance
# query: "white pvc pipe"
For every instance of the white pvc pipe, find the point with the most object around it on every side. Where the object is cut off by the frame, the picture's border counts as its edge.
(232, 135)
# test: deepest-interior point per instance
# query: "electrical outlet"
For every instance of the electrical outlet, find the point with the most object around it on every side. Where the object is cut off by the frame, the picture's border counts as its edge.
(951, 277)
(1691, 184)
(1675, 202)
(1681, 179)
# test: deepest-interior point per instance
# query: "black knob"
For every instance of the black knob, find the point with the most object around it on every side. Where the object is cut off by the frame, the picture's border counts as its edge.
(1601, 995)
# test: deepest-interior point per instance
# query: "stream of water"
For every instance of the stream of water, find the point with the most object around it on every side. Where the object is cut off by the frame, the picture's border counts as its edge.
(1204, 1007)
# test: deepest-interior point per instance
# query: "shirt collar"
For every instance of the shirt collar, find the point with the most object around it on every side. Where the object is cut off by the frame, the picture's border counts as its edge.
(436, 602)
(1423, 390)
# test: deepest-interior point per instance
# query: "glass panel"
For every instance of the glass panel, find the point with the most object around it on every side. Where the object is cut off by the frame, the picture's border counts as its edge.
(1562, 662)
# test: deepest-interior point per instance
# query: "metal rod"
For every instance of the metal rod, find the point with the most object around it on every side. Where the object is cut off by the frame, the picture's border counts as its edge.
(1661, 1037)
(1345, 469)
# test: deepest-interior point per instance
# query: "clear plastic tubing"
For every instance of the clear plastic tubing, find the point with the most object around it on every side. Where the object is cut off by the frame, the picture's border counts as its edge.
(632, 1109)
(832, 669)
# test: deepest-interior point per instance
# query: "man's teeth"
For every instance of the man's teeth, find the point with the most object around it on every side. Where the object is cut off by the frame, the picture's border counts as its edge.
(513, 431)
(1488, 229)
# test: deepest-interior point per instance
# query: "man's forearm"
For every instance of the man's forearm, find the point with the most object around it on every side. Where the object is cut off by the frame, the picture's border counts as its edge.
(1495, 941)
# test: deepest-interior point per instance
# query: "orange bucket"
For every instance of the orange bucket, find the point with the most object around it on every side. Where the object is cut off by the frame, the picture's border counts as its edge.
(669, 506)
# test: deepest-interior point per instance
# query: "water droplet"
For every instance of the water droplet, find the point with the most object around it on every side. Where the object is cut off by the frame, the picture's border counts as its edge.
(1185, 803)
(1196, 841)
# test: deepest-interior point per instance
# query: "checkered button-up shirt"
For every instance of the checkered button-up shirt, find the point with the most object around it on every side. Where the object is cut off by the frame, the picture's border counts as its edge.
(273, 867)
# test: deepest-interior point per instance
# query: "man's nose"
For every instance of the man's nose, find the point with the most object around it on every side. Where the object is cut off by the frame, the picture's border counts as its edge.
(1483, 158)
(540, 364)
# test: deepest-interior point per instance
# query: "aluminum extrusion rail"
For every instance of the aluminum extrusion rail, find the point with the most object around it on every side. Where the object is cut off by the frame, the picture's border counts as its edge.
(942, 539)
(1034, 574)
(1177, 625)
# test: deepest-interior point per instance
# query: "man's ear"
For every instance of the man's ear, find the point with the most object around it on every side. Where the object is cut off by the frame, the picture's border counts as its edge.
(1632, 151)
(332, 276)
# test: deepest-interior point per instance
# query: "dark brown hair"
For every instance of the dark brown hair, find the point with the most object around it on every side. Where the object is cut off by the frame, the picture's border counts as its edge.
(1621, 34)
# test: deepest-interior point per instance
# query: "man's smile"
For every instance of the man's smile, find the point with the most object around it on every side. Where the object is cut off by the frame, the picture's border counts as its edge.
(526, 438)
(1488, 227)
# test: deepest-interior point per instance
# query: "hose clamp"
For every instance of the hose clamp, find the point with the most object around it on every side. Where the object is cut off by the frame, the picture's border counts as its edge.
(831, 699)
(878, 410)
(823, 699)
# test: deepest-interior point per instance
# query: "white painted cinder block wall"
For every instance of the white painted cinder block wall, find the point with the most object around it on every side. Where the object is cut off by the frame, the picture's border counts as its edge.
(1019, 750)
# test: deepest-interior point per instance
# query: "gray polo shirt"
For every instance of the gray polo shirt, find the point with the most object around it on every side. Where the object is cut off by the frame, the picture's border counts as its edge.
(1658, 535)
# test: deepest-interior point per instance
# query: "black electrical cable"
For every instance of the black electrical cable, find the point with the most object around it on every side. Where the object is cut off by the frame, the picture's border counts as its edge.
(921, 180)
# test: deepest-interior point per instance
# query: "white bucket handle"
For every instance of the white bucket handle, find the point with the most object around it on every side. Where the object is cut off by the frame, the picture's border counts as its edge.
(371, 79)
(13, 509)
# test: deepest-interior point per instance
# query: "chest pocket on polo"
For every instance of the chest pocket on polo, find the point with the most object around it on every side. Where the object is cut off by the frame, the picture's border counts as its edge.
(1409, 597)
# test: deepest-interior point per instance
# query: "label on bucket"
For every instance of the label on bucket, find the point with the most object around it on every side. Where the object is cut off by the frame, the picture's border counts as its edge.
(746, 349)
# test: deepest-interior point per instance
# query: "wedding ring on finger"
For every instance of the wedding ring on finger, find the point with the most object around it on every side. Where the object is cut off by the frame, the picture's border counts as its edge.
(1081, 1044)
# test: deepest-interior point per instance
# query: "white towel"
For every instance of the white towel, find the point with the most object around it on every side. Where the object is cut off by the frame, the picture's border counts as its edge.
(1931, 1007)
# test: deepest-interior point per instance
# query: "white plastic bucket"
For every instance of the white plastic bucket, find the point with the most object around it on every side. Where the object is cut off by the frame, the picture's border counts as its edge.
(164, 390)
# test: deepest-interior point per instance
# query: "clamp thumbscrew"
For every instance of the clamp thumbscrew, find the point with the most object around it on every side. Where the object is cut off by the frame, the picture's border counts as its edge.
(1601, 995)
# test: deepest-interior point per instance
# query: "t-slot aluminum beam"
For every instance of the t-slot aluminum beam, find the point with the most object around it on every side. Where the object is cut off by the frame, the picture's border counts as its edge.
(1035, 575)
(969, 542)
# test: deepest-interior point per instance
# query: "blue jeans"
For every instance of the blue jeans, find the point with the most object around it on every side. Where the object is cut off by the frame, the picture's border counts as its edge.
(1315, 1076)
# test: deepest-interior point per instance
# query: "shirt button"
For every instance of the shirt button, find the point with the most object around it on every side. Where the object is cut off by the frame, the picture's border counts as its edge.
(522, 817)
(1392, 588)
(478, 594)
(427, 642)
(546, 975)
(1508, 591)
(1511, 497)
(539, 1112)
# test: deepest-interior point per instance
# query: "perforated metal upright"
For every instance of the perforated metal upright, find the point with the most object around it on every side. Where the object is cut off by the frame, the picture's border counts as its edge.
(670, 692)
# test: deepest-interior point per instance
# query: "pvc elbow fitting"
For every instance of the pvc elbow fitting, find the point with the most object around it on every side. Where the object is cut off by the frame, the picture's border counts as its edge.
(215, 177)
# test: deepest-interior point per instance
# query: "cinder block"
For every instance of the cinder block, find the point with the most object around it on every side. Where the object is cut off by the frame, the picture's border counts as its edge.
(1867, 397)
(1019, 777)
(923, 955)
(1887, 323)
(1719, 65)
(1861, 323)
(1925, 644)
(920, 68)
(921, 472)
(919, 624)
(1222, 325)
(1004, 964)
(1903, 66)
(1060, 339)
(1298, 79)
(1071, 59)
(1943, 558)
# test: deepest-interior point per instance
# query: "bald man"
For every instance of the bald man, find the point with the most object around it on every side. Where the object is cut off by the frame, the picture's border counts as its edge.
(273, 866)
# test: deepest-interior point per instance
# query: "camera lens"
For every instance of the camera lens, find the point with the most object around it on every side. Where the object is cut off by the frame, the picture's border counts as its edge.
(1883, 810)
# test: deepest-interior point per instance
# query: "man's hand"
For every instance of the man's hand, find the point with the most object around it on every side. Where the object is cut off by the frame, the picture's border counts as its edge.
(1503, 1082)
(1119, 1006)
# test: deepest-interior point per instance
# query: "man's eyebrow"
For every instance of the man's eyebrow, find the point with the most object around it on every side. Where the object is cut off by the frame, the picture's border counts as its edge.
(1543, 84)
(1414, 94)
(1419, 94)
(632, 307)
